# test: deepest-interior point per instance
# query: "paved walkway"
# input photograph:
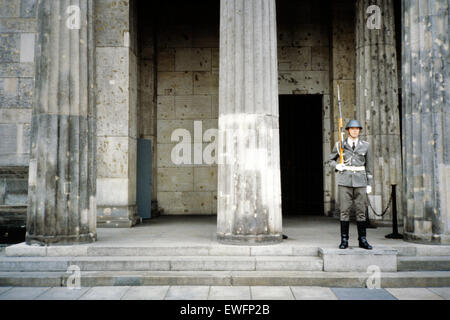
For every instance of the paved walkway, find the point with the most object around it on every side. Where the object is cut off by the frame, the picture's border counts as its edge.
(221, 293)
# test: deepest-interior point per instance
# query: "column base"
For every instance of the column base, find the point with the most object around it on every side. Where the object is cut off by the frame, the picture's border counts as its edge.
(116, 216)
(261, 239)
(60, 240)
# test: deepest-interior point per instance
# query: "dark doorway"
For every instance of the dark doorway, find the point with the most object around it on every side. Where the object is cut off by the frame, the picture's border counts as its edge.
(301, 158)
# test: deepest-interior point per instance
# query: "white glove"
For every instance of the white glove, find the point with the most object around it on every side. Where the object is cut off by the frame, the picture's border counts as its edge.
(340, 167)
(369, 189)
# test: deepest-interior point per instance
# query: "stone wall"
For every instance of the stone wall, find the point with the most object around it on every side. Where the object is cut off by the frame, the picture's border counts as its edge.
(148, 86)
(117, 77)
(187, 62)
(187, 93)
(17, 42)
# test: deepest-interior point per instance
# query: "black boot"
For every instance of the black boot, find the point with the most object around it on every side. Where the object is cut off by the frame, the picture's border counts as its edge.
(344, 234)
(362, 235)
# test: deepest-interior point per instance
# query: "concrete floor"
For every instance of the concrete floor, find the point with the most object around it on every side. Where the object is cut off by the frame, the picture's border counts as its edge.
(221, 293)
(309, 231)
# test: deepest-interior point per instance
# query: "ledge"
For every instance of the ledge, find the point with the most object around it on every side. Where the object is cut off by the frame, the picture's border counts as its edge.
(359, 260)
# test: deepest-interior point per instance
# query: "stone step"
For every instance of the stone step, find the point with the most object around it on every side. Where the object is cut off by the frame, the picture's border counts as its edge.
(422, 250)
(359, 260)
(23, 250)
(235, 278)
(423, 263)
(162, 263)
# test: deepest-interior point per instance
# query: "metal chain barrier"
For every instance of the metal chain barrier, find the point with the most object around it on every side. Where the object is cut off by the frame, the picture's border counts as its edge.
(384, 211)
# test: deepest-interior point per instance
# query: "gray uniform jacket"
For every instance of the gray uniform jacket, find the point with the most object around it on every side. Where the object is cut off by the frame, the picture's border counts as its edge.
(360, 157)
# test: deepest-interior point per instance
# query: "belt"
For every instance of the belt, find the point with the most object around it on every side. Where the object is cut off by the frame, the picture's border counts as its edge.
(355, 168)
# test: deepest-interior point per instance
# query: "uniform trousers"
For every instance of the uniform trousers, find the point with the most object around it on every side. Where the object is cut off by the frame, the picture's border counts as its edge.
(349, 196)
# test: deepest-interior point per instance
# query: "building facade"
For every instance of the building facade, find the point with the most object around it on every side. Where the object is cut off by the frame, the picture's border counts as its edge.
(231, 94)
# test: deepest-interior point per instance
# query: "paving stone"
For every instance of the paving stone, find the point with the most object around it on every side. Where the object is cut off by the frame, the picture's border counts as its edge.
(313, 293)
(104, 293)
(443, 292)
(414, 294)
(146, 293)
(23, 293)
(62, 293)
(271, 293)
(187, 293)
(4, 289)
(229, 293)
(362, 294)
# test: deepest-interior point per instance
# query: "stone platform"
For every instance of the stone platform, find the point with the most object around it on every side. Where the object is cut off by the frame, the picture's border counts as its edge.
(183, 251)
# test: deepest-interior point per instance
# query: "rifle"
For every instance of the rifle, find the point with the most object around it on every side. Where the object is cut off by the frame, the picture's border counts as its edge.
(341, 138)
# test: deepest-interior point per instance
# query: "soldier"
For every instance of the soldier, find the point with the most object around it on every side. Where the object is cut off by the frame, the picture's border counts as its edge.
(354, 179)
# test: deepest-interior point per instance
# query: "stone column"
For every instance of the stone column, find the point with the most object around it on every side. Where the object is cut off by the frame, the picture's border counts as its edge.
(426, 121)
(62, 176)
(377, 98)
(249, 188)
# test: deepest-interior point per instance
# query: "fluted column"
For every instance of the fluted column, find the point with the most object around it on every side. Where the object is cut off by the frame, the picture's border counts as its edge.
(377, 97)
(249, 188)
(62, 176)
(426, 120)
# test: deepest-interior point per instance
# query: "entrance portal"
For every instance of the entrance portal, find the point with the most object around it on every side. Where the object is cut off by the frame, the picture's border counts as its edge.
(301, 154)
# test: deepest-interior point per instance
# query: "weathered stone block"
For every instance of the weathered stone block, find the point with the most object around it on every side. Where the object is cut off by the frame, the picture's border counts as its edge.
(192, 59)
(113, 97)
(113, 157)
(112, 192)
(112, 21)
(185, 202)
(206, 83)
(320, 58)
(10, 47)
(25, 92)
(8, 141)
(165, 128)
(303, 82)
(9, 8)
(215, 55)
(284, 38)
(344, 65)
(166, 59)
(205, 178)
(175, 83)
(175, 36)
(17, 25)
(294, 58)
(164, 151)
(28, 8)
(16, 70)
(27, 41)
(356, 259)
(15, 115)
(166, 107)
(175, 179)
(9, 92)
(193, 107)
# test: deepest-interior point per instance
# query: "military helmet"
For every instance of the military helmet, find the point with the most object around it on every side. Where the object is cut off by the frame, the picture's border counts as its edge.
(353, 124)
